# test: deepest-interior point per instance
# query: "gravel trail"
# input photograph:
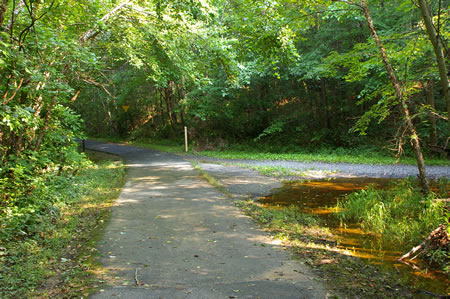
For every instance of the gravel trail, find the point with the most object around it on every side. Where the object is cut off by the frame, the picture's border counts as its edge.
(340, 169)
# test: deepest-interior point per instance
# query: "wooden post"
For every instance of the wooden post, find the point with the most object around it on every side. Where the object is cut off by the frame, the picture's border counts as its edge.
(84, 146)
(185, 139)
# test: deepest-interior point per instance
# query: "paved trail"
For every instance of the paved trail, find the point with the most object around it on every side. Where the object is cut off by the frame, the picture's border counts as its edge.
(172, 235)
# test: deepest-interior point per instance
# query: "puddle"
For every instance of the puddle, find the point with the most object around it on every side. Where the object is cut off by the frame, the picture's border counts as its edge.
(319, 198)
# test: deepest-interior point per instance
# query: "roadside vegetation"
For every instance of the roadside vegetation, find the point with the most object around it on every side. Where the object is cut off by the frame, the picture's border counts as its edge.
(47, 240)
(402, 215)
(270, 151)
(357, 155)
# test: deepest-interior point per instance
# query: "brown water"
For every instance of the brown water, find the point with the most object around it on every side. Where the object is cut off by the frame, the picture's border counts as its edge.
(319, 198)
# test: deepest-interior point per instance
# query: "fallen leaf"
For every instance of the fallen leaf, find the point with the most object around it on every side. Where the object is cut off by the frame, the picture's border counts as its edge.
(326, 261)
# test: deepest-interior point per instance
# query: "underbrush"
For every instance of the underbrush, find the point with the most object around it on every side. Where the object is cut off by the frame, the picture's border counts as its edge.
(46, 242)
(399, 214)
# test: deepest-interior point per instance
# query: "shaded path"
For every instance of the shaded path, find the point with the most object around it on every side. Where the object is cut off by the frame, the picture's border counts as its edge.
(172, 235)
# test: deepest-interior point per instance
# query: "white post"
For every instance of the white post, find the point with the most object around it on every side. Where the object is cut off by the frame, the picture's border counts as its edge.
(185, 139)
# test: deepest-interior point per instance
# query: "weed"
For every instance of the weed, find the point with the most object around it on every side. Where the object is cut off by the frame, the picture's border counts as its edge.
(211, 180)
(289, 220)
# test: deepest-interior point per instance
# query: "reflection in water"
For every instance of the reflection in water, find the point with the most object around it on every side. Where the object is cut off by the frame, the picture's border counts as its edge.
(320, 197)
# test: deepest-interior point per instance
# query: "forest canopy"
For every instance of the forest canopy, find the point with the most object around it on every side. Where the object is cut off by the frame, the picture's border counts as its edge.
(292, 73)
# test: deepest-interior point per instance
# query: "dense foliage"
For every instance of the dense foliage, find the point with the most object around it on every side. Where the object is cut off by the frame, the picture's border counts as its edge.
(287, 72)
(40, 58)
(51, 239)
(279, 72)
(268, 71)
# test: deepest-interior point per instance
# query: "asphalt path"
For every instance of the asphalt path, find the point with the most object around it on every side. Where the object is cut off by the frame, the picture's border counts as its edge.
(172, 235)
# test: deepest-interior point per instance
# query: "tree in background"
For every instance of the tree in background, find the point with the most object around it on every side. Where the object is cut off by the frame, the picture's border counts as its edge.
(438, 43)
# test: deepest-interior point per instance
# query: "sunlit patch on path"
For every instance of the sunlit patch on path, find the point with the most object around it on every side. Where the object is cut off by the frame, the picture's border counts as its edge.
(172, 235)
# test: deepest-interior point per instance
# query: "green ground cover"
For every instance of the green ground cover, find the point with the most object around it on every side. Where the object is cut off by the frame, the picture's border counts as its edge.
(361, 155)
(51, 252)
(258, 151)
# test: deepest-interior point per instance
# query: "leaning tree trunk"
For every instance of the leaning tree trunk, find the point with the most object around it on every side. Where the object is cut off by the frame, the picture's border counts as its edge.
(400, 96)
(433, 36)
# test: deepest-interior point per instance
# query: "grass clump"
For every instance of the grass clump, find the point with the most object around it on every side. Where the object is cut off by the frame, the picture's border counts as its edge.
(210, 179)
(47, 246)
(400, 214)
(286, 221)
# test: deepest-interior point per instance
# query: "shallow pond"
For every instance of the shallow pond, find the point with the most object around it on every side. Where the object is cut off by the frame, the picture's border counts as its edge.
(319, 198)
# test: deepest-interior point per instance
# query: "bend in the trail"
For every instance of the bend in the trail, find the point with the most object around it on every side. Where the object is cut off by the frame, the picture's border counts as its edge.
(172, 235)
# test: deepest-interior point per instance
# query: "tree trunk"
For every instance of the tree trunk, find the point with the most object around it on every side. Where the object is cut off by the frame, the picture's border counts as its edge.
(325, 104)
(433, 36)
(430, 101)
(399, 94)
(180, 92)
(3, 7)
(170, 98)
(169, 110)
(44, 128)
(311, 96)
(161, 108)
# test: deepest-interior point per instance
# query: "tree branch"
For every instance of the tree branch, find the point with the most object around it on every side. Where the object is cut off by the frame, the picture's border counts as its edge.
(92, 33)
(6, 101)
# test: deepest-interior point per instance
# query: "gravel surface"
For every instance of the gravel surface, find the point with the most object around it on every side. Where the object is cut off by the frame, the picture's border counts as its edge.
(341, 169)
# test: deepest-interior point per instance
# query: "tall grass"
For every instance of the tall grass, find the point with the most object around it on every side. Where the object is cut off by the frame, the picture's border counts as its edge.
(400, 213)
